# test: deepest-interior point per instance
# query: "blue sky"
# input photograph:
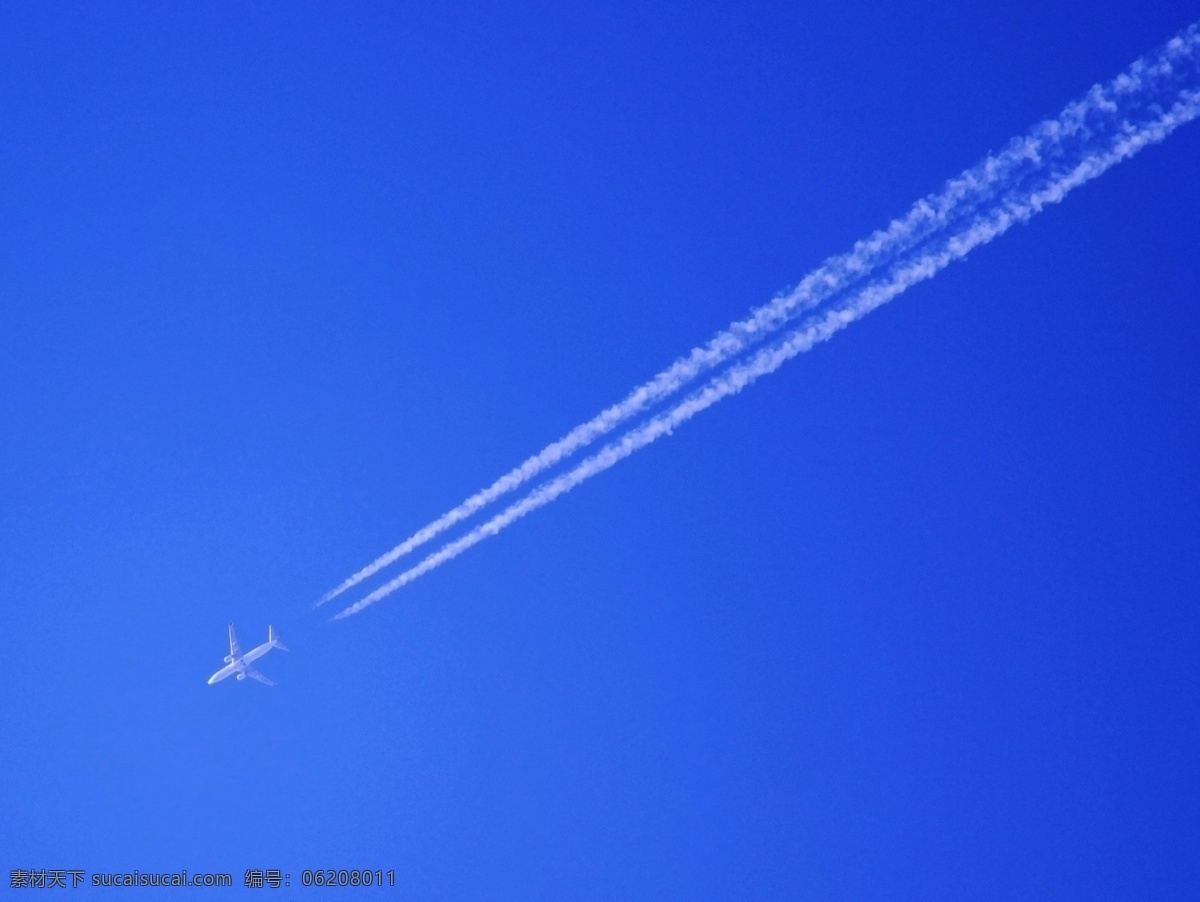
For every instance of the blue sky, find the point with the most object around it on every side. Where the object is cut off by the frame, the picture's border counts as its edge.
(912, 618)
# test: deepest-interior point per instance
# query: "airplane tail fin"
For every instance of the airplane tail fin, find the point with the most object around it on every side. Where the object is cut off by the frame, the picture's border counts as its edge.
(273, 638)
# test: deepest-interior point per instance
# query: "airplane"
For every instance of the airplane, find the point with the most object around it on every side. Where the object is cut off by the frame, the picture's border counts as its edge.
(236, 662)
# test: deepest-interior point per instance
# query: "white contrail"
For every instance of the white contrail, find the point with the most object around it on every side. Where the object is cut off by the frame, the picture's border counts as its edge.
(1024, 158)
(1037, 158)
(819, 327)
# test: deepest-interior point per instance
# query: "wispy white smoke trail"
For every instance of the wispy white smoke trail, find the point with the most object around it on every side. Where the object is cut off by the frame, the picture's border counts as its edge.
(1108, 124)
(1124, 141)
(961, 198)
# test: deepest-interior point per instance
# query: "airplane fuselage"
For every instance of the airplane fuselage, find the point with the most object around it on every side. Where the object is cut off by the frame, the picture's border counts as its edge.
(239, 664)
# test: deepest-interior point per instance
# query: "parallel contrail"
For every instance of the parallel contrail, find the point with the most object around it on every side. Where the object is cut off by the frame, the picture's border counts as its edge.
(959, 199)
(1039, 169)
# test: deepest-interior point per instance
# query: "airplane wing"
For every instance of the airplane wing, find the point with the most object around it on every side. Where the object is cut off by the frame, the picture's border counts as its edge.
(255, 675)
(235, 650)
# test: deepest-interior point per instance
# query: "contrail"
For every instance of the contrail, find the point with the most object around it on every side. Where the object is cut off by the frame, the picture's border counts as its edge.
(817, 328)
(961, 197)
(1038, 169)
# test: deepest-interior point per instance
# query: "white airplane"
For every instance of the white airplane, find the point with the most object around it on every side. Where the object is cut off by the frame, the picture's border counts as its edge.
(236, 662)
